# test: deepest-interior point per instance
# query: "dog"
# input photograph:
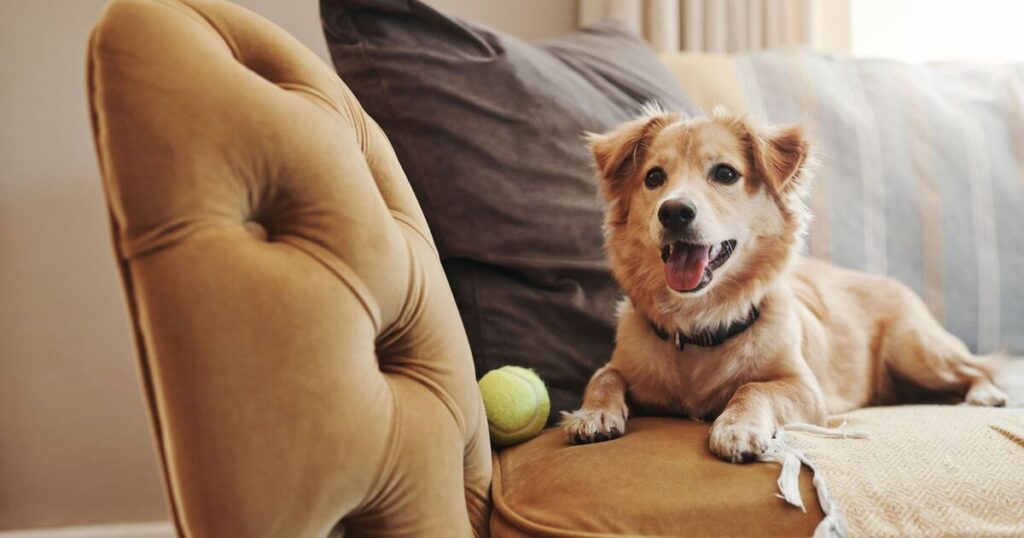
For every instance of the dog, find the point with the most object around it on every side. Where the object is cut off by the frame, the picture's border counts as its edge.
(723, 319)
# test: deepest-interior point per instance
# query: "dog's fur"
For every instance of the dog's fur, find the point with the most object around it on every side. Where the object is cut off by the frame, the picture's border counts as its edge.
(828, 339)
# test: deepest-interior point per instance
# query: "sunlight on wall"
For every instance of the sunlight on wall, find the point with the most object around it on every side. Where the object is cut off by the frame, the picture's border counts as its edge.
(937, 30)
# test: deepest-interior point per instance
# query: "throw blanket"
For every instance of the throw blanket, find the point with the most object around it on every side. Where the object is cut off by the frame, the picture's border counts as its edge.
(921, 471)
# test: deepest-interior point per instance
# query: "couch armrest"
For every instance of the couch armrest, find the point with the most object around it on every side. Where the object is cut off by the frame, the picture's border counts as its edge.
(302, 355)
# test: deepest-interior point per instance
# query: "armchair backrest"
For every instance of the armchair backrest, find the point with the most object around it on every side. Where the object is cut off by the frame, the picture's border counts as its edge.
(302, 355)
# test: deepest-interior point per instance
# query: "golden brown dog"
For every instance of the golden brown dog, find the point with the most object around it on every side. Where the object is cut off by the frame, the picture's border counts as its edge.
(723, 319)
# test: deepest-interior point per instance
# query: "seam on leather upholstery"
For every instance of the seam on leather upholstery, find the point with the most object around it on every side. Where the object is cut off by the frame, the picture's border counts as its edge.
(339, 269)
(478, 499)
(237, 55)
(435, 389)
(407, 220)
(406, 317)
(228, 41)
(406, 320)
(156, 428)
(387, 464)
(317, 95)
(171, 234)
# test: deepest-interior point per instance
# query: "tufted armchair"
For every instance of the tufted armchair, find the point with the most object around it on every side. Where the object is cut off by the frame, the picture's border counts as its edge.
(302, 355)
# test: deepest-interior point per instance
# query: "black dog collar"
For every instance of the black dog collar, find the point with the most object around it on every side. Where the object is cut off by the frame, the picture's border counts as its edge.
(709, 338)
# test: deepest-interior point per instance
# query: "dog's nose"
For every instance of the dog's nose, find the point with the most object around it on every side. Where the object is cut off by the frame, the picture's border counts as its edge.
(676, 214)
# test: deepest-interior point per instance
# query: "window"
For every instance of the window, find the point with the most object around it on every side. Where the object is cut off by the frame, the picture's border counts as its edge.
(938, 30)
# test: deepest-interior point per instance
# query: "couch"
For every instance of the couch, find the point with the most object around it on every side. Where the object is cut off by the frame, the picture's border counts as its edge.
(305, 365)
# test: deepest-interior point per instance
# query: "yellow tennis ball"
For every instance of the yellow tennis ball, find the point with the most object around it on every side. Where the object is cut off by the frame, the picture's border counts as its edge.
(517, 404)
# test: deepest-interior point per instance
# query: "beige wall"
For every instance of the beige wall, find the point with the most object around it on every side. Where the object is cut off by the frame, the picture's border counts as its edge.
(74, 442)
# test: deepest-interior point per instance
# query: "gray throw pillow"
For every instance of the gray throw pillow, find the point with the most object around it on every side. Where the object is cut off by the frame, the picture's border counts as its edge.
(489, 131)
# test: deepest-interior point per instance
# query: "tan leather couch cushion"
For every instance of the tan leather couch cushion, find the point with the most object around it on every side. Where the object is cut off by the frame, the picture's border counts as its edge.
(658, 480)
(301, 350)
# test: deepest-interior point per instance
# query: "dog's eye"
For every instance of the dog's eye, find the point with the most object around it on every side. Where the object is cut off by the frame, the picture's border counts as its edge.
(655, 178)
(726, 174)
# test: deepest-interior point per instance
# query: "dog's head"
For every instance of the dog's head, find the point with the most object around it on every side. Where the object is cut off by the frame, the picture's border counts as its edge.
(701, 209)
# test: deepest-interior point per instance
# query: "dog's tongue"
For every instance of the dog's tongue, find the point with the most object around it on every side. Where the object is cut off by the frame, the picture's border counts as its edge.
(684, 268)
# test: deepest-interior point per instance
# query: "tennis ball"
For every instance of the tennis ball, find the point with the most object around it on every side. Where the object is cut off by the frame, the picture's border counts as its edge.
(517, 404)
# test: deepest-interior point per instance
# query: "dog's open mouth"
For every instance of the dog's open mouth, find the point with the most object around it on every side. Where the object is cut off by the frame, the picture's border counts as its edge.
(690, 267)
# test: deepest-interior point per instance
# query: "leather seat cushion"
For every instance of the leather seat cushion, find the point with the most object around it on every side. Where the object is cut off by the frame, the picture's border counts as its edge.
(657, 480)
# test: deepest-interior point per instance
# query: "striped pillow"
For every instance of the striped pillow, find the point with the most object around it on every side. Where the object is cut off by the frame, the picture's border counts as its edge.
(922, 174)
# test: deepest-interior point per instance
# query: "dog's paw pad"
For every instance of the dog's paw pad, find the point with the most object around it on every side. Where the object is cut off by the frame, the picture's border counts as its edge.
(592, 425)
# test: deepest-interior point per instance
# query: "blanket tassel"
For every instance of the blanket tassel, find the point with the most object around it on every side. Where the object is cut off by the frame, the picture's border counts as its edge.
(781, 452)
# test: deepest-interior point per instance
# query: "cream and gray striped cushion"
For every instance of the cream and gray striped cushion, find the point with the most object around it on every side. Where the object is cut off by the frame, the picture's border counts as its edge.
(922, 174)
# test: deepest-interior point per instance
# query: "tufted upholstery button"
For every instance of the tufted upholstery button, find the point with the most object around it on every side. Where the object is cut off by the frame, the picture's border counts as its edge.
(321, 379)
(257, 230)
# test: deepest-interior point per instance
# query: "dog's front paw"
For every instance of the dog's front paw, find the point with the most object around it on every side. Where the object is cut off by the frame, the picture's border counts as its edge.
(985, 393)
(593, 425)
(739, 441)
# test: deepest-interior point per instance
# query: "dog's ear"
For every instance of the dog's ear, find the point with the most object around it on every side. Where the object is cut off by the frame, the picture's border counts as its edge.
(779, 155)
(620, 151)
